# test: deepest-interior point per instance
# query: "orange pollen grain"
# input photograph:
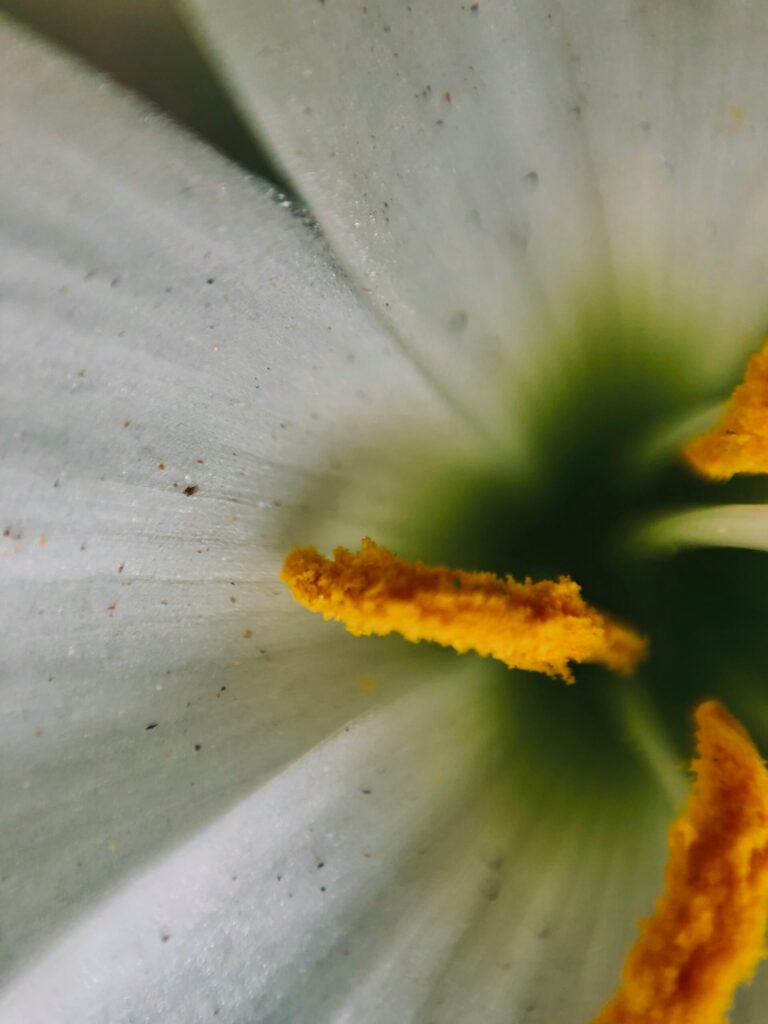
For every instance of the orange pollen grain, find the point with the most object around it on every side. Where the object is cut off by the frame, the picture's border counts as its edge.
(540, 627)
(706, 935)
(739, 442)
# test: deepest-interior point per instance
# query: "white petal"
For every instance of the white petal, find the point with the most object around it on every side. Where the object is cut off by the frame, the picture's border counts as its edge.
(385, 877)
(475, 163)
(165, 326)
(438, 146)
(675, 101)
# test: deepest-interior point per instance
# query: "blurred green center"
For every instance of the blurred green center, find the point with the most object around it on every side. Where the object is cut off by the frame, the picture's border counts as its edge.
(572, 511)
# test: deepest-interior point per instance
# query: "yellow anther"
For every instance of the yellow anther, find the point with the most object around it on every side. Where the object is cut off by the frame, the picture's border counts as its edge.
(739, 442)
(706, 936)
(536, 626)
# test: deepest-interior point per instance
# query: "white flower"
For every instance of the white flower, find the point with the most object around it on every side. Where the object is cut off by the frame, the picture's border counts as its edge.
(214, 806)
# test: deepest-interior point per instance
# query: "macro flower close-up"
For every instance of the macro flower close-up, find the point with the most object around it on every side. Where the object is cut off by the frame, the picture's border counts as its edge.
(480, 374)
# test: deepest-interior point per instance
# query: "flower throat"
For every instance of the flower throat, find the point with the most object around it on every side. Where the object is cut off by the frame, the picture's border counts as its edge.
(576, 509)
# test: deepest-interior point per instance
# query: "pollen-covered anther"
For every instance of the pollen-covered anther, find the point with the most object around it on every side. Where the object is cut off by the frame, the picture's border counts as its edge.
(706, 936)
(739, 442)
(540, 627)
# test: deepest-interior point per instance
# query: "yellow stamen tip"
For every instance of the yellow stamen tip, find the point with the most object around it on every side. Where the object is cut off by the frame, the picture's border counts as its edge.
(540, 627)
(706, 935)
(739, 442)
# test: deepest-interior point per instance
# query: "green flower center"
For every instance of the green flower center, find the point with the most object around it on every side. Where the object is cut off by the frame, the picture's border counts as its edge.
(574, 508)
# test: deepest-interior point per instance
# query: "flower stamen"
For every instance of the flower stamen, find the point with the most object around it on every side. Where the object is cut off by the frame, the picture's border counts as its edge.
(706, 936)
(739, 442)
(539, 627)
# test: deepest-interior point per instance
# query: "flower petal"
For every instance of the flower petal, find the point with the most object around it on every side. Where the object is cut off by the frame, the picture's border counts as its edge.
(675, 103)
(386, 877)
(438, 146)
(184, 374)
(474, 163)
